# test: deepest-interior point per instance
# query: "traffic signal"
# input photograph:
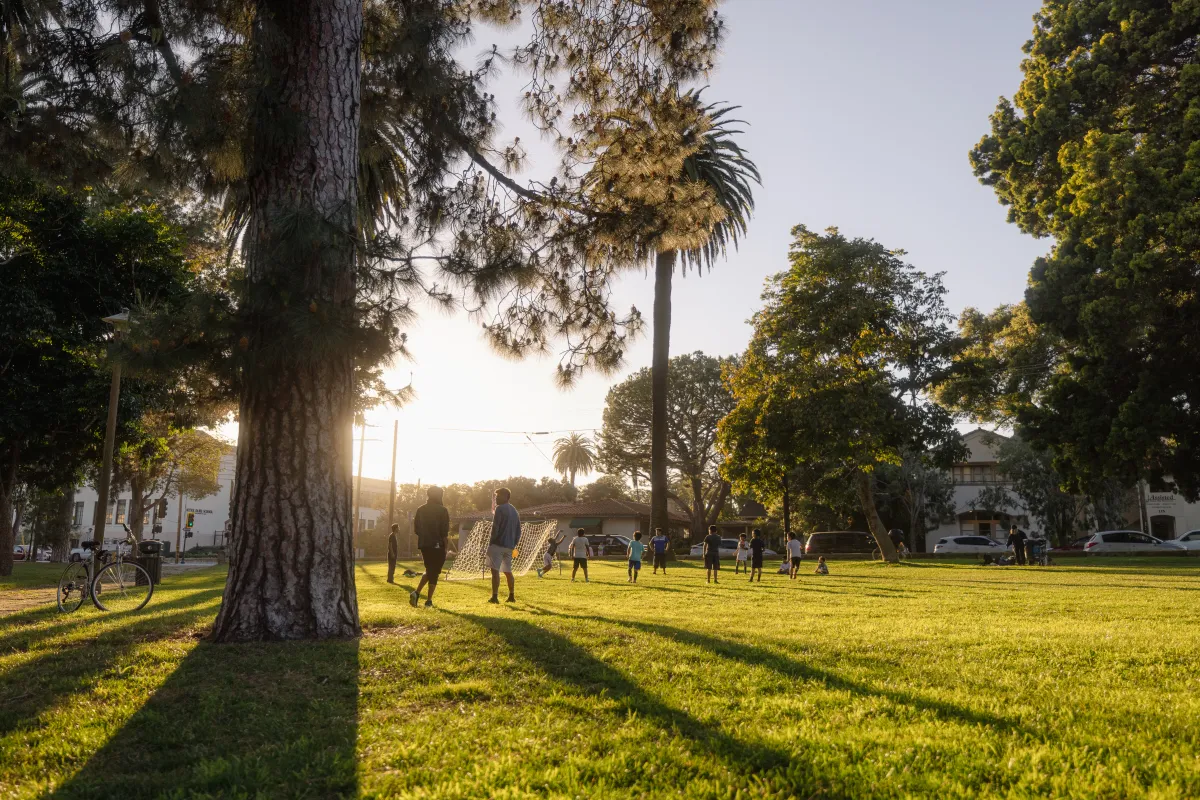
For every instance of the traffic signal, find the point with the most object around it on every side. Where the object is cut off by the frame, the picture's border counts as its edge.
(191, 519)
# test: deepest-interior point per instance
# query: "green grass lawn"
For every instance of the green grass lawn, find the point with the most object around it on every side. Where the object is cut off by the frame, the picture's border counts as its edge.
(924, 679)
(32, 575)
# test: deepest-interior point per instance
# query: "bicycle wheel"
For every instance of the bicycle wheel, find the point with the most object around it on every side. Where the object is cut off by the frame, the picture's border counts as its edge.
(877, 555)
(122, 586)
(73, 586)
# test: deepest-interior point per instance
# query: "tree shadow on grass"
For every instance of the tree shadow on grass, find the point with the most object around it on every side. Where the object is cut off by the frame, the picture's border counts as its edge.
(793, 669)
(63, 673)
(565, 661)
(276, 719)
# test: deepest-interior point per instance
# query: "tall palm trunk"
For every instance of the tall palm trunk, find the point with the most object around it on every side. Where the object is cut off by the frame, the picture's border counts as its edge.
(664, 269)
(291, 559)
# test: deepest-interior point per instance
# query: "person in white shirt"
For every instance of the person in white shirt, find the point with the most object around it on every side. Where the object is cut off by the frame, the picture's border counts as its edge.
(579, 550)
(795, 549)
(741, 555)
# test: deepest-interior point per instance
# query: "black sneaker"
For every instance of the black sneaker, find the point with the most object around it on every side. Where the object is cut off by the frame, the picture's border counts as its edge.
(493, 600)
(510, 599)
(429, 604)
(413, 597)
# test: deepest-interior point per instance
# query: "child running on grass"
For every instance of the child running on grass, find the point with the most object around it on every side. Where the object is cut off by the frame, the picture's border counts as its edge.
(712, 555)
(636, 548)
(548, 556)
(741, 554)
(795, 551)
(579, 550)
(821, 568)
(757, 545)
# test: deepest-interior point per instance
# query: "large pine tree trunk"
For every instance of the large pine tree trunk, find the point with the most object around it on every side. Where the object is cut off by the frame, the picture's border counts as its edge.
(664, 269)
(291, 559)
(9, 461)
(866, 498)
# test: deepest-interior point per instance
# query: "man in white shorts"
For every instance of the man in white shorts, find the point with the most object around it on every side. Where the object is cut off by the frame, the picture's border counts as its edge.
(506, 532)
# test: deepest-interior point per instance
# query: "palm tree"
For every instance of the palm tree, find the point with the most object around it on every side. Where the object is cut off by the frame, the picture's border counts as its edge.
(574, 454)
(721, 165)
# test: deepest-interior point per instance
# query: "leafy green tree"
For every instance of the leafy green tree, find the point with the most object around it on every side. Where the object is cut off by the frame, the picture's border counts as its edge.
(835, 381)
(70, 260)
(923, 489)
(1002, 365)
(606, 487)
(163, 461)
(1098, 149)
(574, 454)
(697, 401)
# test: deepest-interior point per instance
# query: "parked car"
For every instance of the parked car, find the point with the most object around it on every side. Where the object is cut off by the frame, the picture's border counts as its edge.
(1190, 540)
(1129, 542)
(969, 545)
(18, 552)
(609, 545)
(1076, 544)
(825, 542)
(728, 549)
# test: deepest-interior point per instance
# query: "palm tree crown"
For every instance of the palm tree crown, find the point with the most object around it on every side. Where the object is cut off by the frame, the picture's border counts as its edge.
(574, 454)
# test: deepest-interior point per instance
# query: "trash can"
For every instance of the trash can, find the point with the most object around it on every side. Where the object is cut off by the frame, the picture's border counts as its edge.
(149, 559)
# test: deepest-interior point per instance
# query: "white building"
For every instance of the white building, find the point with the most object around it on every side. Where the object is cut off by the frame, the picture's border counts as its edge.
(210, 515)
(1167, 514)
(971, 478)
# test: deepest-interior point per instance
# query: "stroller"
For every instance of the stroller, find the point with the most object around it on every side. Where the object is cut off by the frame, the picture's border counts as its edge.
(1038, 553)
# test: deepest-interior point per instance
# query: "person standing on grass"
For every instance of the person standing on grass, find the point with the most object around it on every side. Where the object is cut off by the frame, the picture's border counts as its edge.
(712, 555)
(506, 533)
(1016, 540)
(431, 524)
(795, 551)
(579, 550)
(757, 545)
(636, 548)
(741, 555)
(393, 551)
(660, 543)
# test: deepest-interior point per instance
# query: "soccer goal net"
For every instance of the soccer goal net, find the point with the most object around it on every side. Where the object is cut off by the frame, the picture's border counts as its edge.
(471, 562)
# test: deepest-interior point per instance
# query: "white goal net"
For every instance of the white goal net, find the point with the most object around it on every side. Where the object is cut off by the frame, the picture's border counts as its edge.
(471, 561)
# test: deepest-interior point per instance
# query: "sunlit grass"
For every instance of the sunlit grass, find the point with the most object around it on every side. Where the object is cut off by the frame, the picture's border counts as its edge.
(940, 680)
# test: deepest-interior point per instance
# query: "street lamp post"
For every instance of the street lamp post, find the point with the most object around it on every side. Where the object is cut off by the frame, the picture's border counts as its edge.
(118, 321)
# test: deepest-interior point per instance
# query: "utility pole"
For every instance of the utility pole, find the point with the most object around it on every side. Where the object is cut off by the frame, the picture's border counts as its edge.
(179, 528)
(362, 439)
(392, 494)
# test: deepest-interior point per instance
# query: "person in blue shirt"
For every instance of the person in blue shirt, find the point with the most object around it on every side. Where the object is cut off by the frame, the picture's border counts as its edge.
(506, 532)
(659, 544)
(636, 548)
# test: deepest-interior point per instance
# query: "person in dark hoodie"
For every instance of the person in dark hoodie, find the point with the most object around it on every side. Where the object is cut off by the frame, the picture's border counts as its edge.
(432, 528)
(1016, 540)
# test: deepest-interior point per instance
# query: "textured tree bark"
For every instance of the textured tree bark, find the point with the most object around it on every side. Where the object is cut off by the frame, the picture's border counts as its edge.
(866, 498)
(9, 461)
(137, 493)
(291, 559)
(664, 269)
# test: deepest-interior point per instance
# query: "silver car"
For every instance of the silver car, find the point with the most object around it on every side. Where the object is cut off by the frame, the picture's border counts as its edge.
(1128, 542)
(1190, 540)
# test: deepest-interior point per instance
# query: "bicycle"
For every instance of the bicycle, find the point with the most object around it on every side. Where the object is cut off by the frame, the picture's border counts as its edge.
(112, 582)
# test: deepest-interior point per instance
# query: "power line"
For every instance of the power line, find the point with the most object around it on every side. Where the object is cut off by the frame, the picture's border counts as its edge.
(514, 433)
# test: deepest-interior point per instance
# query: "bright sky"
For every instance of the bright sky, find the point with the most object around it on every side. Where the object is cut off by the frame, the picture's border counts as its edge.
(861, 114)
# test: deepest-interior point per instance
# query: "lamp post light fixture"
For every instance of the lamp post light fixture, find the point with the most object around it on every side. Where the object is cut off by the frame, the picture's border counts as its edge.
(119, 322)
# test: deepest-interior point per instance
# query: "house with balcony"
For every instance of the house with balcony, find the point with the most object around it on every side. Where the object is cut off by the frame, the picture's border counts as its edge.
(972, 478)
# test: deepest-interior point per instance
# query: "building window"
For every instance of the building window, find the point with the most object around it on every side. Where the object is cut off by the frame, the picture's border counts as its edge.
(108, 518)
(370, 524)
(77, 516)
(121, 512)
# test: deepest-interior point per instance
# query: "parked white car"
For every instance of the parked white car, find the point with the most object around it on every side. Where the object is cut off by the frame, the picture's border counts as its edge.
(1190, 540)
(970, 545)
(1129, 542)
